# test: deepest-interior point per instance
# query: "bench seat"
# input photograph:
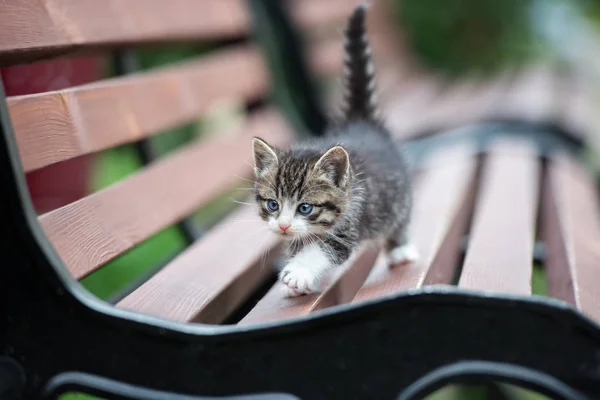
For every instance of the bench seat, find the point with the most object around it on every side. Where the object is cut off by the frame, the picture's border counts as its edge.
(504, 207)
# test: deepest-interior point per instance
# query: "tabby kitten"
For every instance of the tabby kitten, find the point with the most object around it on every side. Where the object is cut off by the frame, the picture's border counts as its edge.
(327, 195)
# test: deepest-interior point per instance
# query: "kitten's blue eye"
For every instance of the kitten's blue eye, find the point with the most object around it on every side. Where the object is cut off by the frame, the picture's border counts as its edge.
(272, 205)
(305, 209)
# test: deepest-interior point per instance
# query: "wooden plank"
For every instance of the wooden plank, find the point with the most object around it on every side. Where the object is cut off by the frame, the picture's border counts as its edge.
(500, 253)
(468, 102)
(458, 103)
(571, 231)
(35, 28)
(343, 287)
(94, 230)
(410, 104)
(56, 126)
(443, 199)
(209, 280)
(449, 106)
(314, 13)
(576, 113)
(532, 97)
(485, 100)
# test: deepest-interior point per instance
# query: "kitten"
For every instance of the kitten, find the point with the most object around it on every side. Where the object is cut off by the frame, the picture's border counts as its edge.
(327, 195)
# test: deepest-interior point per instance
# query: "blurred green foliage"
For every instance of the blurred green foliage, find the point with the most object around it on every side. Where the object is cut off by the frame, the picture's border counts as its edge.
(455, 36)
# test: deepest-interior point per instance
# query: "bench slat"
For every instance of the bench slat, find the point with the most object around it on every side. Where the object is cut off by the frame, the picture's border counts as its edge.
(41, 28)
(410, 102)
(571, 231)
(577, 110)
(313, 13)
(532, 96)
(94, 230)
(449, 107)
(500, 252)
(343, 287)
(467, 102)
(56, 126)
(211, 278)
(443, 200)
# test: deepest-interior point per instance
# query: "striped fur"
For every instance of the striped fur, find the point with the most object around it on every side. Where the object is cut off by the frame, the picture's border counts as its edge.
(360, 101)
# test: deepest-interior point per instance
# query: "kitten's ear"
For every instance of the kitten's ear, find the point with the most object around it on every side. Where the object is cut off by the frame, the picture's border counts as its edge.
(265, 156)
(335, 164)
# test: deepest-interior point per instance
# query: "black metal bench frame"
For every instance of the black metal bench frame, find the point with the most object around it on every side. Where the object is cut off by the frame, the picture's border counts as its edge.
(55, 337)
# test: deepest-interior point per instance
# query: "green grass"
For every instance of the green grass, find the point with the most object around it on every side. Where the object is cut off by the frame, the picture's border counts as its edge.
(539, 284)
(79, 396)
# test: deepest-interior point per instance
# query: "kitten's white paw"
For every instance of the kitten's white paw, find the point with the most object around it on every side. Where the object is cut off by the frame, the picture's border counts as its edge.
(405, 254)
(298, 280)
(289, 292)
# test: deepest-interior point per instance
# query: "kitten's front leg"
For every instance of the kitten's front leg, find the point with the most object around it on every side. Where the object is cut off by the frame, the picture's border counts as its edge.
(308, 269)
(305, 272)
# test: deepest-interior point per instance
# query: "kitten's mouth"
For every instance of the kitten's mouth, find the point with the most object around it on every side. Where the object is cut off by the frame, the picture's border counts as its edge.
(288, 235)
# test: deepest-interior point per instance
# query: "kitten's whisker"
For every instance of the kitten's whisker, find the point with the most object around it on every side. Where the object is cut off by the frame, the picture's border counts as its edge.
(339, 239)
(242, 202)
(325, 248)
(265, 251)
(254, 182)
(245, 179)
(250, 165)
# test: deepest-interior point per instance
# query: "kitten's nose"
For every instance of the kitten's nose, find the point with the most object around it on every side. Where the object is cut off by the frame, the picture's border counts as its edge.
(284, 227)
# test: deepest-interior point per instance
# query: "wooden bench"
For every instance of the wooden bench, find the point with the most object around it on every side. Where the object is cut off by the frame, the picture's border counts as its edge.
(507, 181)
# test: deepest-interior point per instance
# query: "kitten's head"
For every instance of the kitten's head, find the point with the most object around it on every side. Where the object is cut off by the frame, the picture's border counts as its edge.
(301, 192)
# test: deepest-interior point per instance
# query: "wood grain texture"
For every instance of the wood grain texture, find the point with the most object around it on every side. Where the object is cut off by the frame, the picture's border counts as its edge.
(56, 126)
(211, 278)
(500, 252)
(343, 287)
(443, 197)
(42, 28)
(571, 231)
(94, 230)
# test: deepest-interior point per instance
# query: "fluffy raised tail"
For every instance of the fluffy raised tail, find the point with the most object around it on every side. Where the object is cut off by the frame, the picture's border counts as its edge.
(360, 101)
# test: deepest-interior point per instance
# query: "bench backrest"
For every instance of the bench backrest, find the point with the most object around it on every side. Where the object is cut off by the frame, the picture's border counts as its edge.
(53, 127)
